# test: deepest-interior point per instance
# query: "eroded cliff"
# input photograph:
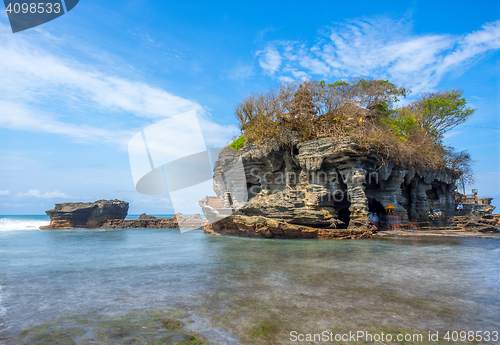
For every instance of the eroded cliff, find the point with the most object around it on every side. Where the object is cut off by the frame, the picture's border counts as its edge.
(330, 183)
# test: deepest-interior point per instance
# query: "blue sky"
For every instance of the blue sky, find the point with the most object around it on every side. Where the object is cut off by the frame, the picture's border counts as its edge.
(75, 90)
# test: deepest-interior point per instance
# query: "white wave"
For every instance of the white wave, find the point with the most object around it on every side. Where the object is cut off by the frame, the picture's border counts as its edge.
(7, 224)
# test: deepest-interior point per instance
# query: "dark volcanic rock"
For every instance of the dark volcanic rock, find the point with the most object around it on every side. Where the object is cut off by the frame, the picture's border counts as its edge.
(145, 216)
(152, 223)
(86, 215)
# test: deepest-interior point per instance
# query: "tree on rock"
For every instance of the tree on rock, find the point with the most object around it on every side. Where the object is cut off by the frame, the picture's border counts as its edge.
(303, 113)
(302, 104)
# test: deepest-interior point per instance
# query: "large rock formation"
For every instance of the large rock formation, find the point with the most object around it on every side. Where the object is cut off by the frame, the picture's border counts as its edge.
(85, 215)
(331, 183)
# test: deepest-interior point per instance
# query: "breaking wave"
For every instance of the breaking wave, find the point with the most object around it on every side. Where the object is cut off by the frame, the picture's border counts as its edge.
(8, 223)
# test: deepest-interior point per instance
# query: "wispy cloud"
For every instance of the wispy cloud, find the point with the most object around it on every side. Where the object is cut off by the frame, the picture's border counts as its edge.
(4, 192)
(47, 195)
(23, 117)
(380, 48)
(240, 71)
(35, 74)
(41, 89)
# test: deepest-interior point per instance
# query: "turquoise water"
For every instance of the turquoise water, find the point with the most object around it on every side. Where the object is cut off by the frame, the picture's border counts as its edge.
(34, 222)
(415, 283)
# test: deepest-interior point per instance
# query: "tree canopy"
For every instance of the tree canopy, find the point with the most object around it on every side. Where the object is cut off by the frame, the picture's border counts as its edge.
(366, 111)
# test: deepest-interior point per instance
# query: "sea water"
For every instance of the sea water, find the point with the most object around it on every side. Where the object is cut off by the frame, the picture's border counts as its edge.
(416, 283)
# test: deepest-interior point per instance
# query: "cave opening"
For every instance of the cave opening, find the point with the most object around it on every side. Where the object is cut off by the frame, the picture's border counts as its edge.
(253, 189)
(344, 215)
(375, 206)
(432, 193)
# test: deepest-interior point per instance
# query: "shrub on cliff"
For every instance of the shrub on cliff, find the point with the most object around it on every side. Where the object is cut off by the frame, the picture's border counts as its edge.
(238, 143)
(364, 110)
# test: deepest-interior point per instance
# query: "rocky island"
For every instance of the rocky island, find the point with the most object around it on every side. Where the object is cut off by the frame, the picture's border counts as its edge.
(358, 167)
(110, 214)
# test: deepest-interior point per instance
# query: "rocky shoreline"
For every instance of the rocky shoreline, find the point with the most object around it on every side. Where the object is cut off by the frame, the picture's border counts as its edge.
(434, 233)
(257, 226)
(110, 214)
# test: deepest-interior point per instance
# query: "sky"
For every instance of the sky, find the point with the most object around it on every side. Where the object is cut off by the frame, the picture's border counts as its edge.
(74, 91)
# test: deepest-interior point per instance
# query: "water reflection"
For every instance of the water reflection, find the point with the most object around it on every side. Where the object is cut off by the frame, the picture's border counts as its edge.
(426, 284)
(416, 283)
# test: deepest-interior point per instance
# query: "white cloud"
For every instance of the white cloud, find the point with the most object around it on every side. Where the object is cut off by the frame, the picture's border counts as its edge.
(21, 117)
(380, 48)
(35, 74)
(47, 195)
(34, 80)
(4, 192)
(270, 59)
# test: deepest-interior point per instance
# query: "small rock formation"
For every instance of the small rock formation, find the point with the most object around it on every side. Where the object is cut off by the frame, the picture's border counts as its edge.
(478, 210)
(484, 224)
(327, 183)
(151, 222)
(86, 215)
(144, 216)
(257, 226)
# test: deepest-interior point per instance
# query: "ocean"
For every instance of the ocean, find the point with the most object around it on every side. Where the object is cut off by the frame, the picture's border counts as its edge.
(231, 285)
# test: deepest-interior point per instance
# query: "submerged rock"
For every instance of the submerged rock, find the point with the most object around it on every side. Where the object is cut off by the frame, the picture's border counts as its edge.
(154, 327)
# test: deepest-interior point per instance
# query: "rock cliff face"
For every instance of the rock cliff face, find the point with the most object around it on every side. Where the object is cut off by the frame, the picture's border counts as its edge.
(332, 183)
(86, 215)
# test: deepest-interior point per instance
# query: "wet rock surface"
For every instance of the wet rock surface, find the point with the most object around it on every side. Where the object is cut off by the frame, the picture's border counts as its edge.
(151, 222)
(258, 226)
(458, 226)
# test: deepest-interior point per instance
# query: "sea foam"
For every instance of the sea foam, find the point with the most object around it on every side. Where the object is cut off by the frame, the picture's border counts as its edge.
(22, 223)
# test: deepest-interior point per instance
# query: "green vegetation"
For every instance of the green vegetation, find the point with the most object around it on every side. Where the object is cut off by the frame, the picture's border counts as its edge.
(159, 327)
(238, 143)
(262, 330)
(365, 111)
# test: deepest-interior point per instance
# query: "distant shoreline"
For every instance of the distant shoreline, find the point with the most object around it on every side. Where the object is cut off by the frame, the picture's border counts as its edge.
(433, 233)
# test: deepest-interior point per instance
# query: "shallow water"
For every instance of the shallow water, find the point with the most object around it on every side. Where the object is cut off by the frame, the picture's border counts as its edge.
(424, 283)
